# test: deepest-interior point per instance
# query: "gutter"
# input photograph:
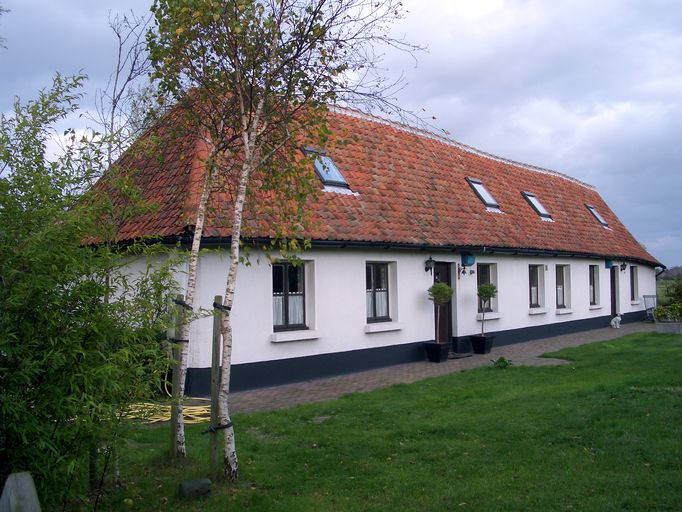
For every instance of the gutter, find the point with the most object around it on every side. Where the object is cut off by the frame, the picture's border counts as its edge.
(470, 249)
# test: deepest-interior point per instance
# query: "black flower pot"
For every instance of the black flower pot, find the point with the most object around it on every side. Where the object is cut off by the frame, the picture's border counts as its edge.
(437, 352)
(482, 344)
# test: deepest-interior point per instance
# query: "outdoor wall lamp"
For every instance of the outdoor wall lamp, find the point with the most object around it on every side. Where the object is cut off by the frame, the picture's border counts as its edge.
(623, 266)
(429, 264)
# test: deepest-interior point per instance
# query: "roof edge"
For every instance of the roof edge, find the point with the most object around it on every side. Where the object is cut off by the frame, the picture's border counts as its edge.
(185, 239)
(453, 143)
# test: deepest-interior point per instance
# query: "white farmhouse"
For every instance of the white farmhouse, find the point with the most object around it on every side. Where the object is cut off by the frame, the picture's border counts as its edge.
(400, 208)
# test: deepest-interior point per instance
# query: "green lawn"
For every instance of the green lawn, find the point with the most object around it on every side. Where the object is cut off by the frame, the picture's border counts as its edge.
(601, 433)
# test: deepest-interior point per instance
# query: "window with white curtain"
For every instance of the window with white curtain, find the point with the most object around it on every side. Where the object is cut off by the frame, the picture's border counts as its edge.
(536, 286)
(487, 274)
(634, 284)
(288, 296)
(376, 292)
(594, 285)
(563, 286)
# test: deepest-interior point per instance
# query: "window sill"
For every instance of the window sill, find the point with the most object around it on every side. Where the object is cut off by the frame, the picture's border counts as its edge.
(284, 336)
(635, 302)
(564, 311)
(493, 315)
(537, 311)
(595, 306)
(383, 327)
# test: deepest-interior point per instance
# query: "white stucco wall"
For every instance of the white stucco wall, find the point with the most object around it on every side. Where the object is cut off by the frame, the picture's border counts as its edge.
(335, 301)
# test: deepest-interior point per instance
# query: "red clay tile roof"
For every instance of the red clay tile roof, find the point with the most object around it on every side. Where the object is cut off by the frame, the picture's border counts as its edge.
(411, 190)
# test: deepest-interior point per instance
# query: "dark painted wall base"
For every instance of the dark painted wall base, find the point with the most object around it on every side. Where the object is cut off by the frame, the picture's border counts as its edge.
(286, 371)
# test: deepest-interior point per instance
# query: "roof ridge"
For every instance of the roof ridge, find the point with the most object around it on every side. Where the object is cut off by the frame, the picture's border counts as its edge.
(451, 142)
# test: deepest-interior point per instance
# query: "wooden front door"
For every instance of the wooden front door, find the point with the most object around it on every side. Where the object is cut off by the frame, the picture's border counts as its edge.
(441, 274)
(614, 291)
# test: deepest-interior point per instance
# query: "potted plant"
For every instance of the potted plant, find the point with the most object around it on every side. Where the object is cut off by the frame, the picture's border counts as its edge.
(483, 343)
(440, 294)
(669, 318)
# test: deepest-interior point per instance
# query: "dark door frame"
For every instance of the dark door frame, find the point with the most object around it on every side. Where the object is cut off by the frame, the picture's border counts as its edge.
(442, 273)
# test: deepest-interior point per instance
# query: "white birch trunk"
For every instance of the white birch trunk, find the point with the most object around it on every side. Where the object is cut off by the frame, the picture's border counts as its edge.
(230, 450)
(249, 136)
(180, 446)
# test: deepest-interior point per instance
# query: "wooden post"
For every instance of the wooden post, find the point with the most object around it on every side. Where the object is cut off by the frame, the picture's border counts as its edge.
(215, 386)
(176, 351)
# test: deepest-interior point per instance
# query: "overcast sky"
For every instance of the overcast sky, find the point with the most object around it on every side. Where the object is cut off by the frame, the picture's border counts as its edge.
(589, 88)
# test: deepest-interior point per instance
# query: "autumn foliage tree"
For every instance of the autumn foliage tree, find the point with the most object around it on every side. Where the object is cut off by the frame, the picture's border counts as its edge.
(255, 78)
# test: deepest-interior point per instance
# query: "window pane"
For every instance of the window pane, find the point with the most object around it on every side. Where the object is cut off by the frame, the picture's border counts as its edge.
(483, 273)
(559, 275)
(594, 212)
(535, 203)
(381, 282)
(633, 283)
(593, 285)
(328, 171)
(487, 197)
(370, 308)
(278, 279)
(295, 278)
(368, 277)
(534, 288)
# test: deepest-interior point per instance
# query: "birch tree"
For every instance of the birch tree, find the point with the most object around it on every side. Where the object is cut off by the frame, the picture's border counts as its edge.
(256, 77)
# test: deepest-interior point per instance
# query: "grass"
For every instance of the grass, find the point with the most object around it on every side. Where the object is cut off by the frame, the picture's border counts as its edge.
(600, 433)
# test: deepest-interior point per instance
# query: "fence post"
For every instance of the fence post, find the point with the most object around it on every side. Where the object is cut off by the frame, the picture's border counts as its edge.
(176, 351)
(215, 385)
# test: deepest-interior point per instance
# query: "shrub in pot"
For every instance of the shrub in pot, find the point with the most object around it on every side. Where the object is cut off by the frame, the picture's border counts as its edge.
(669, 318)
(483, 343)
(440, 294)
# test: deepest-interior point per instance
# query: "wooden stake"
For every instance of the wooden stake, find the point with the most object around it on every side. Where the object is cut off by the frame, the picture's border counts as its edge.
(215, 387)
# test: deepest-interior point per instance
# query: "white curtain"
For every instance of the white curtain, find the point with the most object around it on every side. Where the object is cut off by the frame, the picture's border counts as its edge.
(278, 310)
(295, 309)
(382, 303)
(534, 295)
(369, 304)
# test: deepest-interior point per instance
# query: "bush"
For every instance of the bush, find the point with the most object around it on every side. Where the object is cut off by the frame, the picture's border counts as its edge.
(671, 313)
(674, 292)
(78, 337)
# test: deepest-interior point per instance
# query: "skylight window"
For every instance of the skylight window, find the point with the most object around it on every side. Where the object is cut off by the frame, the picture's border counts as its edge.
(537, 205)
(594, 212)
(326, 169)
(483, 193)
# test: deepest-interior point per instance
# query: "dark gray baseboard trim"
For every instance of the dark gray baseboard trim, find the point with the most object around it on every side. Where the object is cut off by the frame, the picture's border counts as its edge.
(286, 371)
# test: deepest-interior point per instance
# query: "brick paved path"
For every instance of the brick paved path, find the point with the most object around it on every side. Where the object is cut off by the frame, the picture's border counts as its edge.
(318, 390)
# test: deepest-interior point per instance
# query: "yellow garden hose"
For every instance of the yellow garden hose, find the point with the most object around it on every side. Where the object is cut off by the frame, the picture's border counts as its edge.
(152, 413)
